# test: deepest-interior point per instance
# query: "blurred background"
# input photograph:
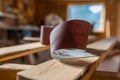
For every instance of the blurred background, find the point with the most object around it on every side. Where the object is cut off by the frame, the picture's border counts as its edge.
(29, 21)
(23, 18)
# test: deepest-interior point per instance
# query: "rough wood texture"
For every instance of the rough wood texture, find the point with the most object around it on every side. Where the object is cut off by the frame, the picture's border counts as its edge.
(56, 70)
(109, 45)
(21, 50)
(71, 69)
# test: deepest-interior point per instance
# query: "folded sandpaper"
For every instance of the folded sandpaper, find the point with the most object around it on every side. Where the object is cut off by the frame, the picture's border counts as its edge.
(70, 34)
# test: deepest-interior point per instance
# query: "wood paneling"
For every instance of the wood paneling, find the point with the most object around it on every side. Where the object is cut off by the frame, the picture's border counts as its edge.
(112, 14)
(44, 7)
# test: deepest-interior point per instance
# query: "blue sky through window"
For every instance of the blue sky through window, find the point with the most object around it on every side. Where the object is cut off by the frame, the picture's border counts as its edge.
(91, 13)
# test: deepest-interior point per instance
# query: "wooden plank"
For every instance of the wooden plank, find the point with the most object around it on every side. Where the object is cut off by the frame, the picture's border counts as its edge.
(8, 53)
(13, 66)
(102, 44)
(110, 64)
(8, 71)
(18, 48)
(109, 67)
(100, 77)
(70, 69)
(56, 70)
(24, 53)
(109, 44)
(31, 39)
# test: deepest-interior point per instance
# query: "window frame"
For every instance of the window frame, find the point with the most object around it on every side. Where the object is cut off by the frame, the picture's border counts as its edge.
(103, 17)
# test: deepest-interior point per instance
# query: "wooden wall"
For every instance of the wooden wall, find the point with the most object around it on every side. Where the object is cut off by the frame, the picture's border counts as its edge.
(112, 14)
(44, 7)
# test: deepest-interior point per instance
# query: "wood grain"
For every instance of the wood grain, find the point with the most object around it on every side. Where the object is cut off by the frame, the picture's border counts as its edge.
(56, 70)
(18, 48)
(70, 69)
(12, 52)
(108, 47)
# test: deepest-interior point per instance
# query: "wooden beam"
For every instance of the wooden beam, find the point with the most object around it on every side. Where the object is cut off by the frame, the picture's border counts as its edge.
(71, 69)
(8, 71)
(13, 52)
(31, 39)
(56, 70)
(107, 45)
(104, 44)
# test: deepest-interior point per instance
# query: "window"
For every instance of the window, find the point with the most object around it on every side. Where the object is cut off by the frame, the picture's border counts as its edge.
(93, 13)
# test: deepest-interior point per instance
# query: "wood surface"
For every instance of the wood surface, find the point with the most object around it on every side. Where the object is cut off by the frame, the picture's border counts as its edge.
(109, 44)
(12, 52)
(17, 48)
(109, 67)
(111, 64)
(31, 39)
(8, 71)
(100, 77)
(13, 66)
(72, 69)
(56, 70)
(102, 44)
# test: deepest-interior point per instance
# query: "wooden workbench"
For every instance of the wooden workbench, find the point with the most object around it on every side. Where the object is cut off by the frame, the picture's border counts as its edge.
(72, 69)
(12, 52)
